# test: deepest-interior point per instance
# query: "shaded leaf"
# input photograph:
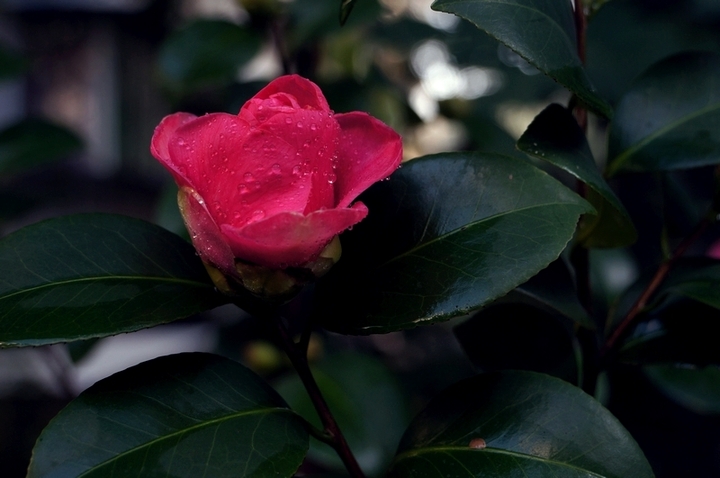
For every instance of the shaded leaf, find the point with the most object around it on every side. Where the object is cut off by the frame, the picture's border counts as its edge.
(697, 389)
(367, 403)
(445, 235)
(346, 7)
(519, 337)
(34, 142)
(553, 289)
(186, 415)
(206, 52)
(676, 330)
(554, 136)
(93, 275)
(531, 424)
(697, 279)
(670, 117)
(540, 31)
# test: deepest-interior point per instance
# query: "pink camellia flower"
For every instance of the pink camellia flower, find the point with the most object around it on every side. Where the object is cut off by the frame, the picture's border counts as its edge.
(273, 185)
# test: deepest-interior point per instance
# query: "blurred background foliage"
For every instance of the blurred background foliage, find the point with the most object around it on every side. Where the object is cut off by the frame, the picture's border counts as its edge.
(84, 82)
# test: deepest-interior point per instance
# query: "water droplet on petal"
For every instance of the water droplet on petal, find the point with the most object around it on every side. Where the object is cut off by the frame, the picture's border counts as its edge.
(288, 120)
(313, 126)
(276, 168)
(296, 170)
(248, 177)
(242, 188)
(257, 215)
(299, 124)
(331, 178)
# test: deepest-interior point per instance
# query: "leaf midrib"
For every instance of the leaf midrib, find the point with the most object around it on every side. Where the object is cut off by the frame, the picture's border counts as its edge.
(183, 431)
(623, 157)
(470, 225)
(172, 280)
(499, 451)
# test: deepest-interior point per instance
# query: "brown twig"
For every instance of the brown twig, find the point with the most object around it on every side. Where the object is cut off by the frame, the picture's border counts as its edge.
(655, 282)
(580, 27)
(277, 30)
(335, 436)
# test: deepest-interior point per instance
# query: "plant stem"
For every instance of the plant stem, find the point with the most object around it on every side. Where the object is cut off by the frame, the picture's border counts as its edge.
(655, 282)
(580, 26)
(277, 30)
(336, 438)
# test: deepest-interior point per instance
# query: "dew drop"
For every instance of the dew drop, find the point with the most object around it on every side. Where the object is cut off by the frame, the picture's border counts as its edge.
(313, 126)
(257, 215)
(276, 168)
(288, 120)
(242, 188)
(296, 170)
(299, 124)
(331, 178)
(248, 177)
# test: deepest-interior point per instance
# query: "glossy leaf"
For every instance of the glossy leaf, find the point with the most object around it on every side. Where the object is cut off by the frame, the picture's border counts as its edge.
(205, 53)
(531, 425)
(187, 415)
(366, 401)
(696, 279)
(34, 142)
(670, 118)
(93, 275)
(677, 331)
(554, 136)
(697, 389)
(540, 31)
(519, 337)
(554, 290)
(445, 235)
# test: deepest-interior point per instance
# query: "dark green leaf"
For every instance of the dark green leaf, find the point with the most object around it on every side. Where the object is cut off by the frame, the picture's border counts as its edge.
(679, 323)
(34, 142)
(93, 275)
(540, 31)
(670, 118)
(11, 64)
(346, 7)
(554, 290)
(697, 389)
(519, 337)
(697, 279)
(445, 235)
(187, 415)
(533, 425)
(367, 403)
(167, 213)
(554, 136)
(206, 52)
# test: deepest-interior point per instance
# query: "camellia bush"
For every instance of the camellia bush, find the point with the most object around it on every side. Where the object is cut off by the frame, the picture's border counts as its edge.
(299, 213)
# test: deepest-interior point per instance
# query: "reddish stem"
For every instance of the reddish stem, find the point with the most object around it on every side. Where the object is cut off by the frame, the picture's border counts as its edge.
(337, 440)
(580, 26)
(655, 282)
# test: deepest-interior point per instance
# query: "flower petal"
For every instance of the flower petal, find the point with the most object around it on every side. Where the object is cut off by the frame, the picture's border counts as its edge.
(204, 232)
(306, 94)
(161, 139)
(291, 239)
(369, 151)
(314, 136)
